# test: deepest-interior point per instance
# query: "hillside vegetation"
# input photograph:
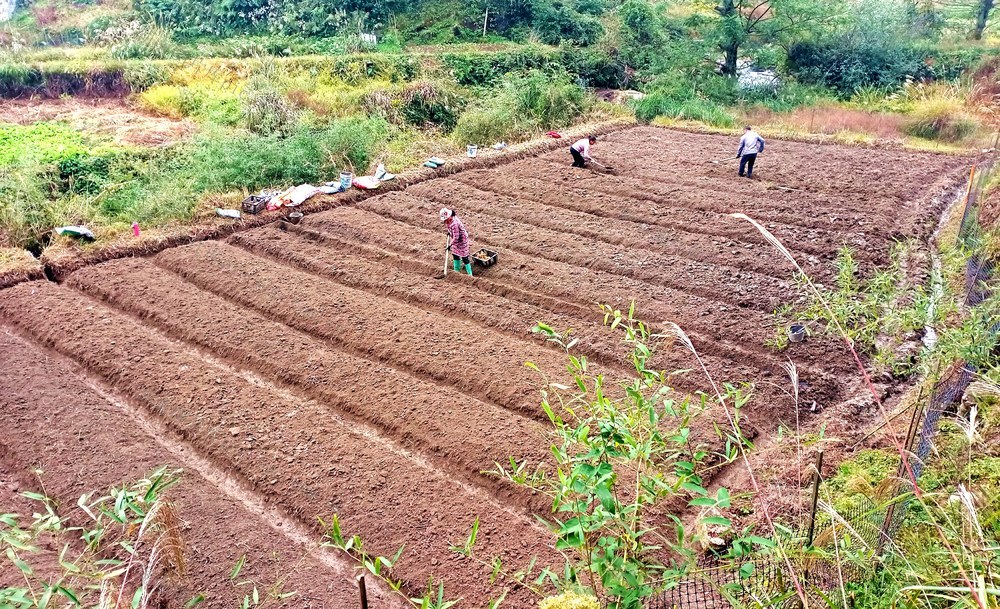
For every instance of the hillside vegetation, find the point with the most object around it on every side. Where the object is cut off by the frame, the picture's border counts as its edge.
(290, 92)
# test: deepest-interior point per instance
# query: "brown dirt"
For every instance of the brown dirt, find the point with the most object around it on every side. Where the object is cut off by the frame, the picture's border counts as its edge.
(90, 444)
(365, 389)
(290, 451)
(115, 118)
(328, 371)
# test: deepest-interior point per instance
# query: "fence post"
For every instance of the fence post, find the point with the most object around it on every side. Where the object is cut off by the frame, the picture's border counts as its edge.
(963, 227)
(815, 497)
(363, 590)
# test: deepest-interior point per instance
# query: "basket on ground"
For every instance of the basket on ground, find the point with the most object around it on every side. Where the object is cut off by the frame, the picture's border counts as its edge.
(255, 204)
(485, 257)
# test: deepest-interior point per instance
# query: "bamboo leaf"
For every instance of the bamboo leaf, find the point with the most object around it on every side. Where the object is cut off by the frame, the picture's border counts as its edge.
(237, 567)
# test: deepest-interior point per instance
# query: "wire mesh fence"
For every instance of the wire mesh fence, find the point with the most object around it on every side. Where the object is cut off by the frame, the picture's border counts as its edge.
(769, 581)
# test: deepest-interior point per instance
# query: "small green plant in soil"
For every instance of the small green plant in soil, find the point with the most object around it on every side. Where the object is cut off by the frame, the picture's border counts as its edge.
(120, 547)
(879, 313)
(621, 453)
(433, 596)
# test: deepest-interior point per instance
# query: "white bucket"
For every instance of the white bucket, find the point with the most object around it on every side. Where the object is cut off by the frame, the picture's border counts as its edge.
(472, 150)
(346, 177)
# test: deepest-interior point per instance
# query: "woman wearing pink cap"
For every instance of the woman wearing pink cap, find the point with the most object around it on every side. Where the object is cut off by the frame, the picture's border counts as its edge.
(459, 246)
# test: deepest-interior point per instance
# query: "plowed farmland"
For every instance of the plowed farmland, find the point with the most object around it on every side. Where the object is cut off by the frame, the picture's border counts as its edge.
(300, 371)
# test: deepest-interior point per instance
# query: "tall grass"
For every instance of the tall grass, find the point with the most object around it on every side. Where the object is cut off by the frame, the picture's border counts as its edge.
(941, 119)
(532, 102)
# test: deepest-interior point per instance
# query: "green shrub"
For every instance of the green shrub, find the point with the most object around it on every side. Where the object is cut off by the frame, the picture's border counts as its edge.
(220, 163)
(148, 42)
(525, 104)
(592, 66)
(555, 23)
(787, 96)
(694, 109)
(941, 119)
(486, 126)
(422, 104)
(265, 109)
(696, 96)
(550, 100)
(84, 173)
(26, 213)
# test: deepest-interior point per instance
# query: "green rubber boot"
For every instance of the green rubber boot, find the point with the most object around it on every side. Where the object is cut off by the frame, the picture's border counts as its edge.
(454, 265)
(468, 269)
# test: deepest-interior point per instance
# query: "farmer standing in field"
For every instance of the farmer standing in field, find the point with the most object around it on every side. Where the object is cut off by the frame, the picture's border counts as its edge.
(459, 241)
(581, 151)
(751, 144)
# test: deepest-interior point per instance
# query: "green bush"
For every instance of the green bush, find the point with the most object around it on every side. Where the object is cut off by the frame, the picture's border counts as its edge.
(26, 213)
(550, 100)
(485, 126)
(787, 96)
(555, 23)
(847, 65)
(421, 104)
(694, 109)
(526, 103)
(150, 42)
(593, 67)
(697, 96)
(265, 109)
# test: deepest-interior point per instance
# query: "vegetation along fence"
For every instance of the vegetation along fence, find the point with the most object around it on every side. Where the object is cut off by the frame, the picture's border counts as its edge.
(719, 583)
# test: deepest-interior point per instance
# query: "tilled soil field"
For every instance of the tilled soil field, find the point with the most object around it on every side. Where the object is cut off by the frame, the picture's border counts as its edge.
(296, 372)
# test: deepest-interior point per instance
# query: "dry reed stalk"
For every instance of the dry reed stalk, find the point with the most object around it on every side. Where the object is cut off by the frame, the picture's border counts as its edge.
(680, 335)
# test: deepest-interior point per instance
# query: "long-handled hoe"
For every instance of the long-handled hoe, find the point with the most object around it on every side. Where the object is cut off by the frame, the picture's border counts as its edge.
(724, 159)
(603, 166)
(447, 249)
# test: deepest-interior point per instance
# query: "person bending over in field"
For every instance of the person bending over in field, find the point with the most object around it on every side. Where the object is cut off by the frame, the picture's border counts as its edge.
(581, 151)
(751, 144)
(459, 241)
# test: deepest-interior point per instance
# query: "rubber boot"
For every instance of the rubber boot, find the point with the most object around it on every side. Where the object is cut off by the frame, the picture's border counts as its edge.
(454, 265)
(468, 269)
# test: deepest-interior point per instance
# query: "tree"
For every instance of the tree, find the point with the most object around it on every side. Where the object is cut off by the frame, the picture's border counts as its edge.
(746, 22)
(960, 11)
(983, 9)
